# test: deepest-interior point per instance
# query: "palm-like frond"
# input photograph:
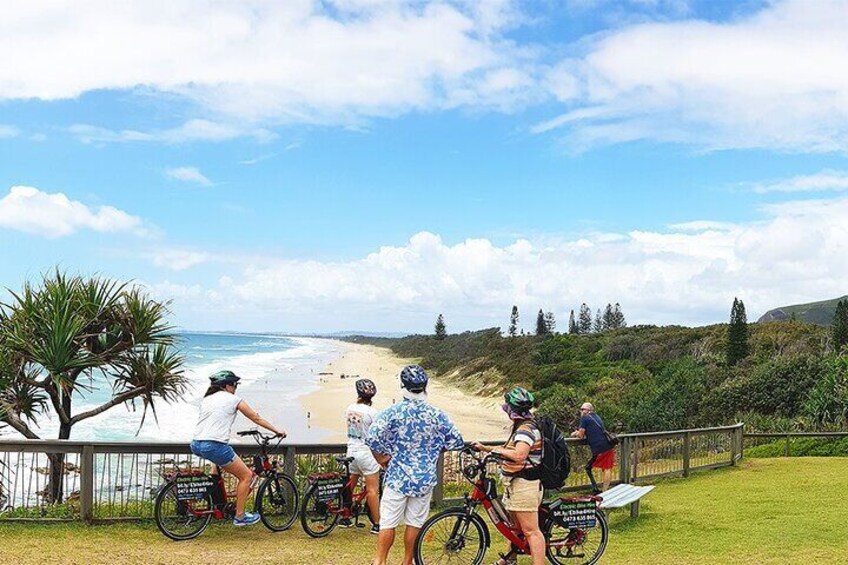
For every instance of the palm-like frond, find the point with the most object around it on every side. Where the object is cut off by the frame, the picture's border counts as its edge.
(157, 371)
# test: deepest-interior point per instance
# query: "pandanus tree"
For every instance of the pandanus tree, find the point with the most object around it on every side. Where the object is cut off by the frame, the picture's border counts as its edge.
(68, 337)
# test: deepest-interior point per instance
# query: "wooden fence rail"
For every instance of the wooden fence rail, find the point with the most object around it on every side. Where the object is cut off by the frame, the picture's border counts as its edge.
(118, 480)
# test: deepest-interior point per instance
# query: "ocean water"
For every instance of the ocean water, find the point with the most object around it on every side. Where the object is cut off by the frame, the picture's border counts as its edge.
(275, 371)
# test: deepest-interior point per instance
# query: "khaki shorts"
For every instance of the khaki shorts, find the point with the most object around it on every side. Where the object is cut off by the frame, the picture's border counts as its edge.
(521, 495)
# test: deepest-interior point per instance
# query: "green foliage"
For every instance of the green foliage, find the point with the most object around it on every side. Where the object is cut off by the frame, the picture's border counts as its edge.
(584, 319)
(827, 405)
(801, 447)
(572, 324)
(68, 335)
(839, 326)
(646, 378)
(737, 333)
(541, 324)
(670, 399)
(513, 322)
(441, 330)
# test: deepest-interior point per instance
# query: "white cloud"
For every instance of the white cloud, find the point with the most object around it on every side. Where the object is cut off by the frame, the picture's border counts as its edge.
(177, 259)
(297, 61)
(28, 209)
(192, 130)
(687, 274)
(826, 180)
(7, 131)
(772, 80)
(188, 174)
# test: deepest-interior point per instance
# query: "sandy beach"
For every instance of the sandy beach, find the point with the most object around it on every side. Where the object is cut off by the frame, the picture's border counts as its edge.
(476, 417)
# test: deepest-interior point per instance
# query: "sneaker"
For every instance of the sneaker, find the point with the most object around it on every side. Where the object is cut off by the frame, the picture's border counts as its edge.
(248, 519)
(375, 529)
(345, 523)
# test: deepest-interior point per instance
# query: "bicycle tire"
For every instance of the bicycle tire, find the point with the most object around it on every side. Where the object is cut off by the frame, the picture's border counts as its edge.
(312, 511)
(452, 546)
(167, 496)
(603, 531)
(277, 491)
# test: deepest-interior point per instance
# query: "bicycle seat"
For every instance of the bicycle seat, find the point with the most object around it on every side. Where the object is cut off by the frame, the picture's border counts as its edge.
(344, 460)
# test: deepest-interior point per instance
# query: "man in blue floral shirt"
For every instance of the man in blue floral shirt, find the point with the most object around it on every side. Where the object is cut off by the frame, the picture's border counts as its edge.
(410, 435)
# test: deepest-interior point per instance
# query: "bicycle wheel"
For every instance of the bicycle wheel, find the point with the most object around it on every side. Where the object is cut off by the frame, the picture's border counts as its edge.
(276, 502)
(181, 520)
(317, 517)
(577, 546)
(451, 537)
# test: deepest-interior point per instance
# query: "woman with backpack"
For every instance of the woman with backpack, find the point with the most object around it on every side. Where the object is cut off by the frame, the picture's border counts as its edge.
(521, 456)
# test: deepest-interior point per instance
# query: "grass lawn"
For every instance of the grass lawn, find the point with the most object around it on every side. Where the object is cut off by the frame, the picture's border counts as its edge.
(766, 511)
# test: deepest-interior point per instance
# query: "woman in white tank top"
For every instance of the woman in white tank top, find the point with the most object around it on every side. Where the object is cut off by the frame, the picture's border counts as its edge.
(211, 439)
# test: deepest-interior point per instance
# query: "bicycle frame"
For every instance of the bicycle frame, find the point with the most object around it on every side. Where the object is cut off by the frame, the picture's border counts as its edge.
(485, 495)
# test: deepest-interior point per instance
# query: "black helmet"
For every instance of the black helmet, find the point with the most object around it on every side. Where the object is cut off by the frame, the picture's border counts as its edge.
(413, 378)
(520, 399)
(366, 388)
(224, 378)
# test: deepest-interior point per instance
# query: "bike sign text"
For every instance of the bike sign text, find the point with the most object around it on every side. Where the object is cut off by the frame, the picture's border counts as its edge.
(577, 514)
(328, 489)
(193, 487)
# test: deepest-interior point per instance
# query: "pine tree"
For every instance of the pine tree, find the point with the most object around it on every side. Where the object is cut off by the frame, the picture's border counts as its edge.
(618, 316)
(550, 322)
(608, 318)
(839, 327)
(572, 325)
(584, 320)
(599, 322)
(441, 330)
(737, 333)
(541, 326)
(513, 322)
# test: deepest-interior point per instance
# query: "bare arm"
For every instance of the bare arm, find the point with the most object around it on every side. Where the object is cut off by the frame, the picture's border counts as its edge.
(580, 433)
(254, 417)
(517, 454)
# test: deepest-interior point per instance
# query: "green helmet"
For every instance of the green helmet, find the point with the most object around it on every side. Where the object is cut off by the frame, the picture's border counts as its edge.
(224, 378)
(520, 399)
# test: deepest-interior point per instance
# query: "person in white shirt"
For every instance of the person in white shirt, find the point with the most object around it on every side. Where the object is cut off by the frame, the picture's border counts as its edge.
(359, 417)
(211, 438)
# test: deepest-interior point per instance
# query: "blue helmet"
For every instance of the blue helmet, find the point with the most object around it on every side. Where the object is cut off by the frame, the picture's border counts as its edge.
(413, 378)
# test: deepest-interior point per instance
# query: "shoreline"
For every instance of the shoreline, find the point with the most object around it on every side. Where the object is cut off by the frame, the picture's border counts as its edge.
(478, 418)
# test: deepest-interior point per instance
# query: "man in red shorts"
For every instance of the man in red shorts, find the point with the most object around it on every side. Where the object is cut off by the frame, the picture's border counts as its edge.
(591, 428)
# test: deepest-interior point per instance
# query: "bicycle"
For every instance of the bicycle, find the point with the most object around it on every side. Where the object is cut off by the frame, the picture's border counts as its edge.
(190, 500)
(575, 528)
(331, 496)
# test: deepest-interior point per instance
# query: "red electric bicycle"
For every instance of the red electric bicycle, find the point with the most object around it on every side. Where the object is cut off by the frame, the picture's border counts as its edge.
(331, 496)
(575, 528)
(189, 500)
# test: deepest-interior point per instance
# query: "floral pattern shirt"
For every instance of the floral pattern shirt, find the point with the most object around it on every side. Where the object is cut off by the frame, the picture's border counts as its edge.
(414, 433)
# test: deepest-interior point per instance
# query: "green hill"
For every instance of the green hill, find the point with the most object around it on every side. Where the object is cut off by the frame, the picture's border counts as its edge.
(647, 378)
(820, 313)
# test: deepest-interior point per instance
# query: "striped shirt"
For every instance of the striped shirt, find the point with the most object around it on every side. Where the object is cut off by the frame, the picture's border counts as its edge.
(529, 433)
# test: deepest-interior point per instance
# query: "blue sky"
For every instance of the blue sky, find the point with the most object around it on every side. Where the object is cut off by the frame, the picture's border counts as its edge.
(366, 164)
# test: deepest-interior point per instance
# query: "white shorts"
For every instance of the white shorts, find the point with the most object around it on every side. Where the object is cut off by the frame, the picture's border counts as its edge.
(410, 510)
(363, 462)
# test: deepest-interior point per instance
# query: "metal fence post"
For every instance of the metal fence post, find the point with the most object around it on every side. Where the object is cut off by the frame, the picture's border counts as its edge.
(439, 489)
(687, 452)
(87, 483)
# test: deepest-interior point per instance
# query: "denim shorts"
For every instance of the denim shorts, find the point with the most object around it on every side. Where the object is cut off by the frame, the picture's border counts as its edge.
(217, 452)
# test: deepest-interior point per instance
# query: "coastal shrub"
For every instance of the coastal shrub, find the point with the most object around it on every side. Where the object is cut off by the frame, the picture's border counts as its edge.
(560, 403)
(670, 400)
(801, 447)
(827, 405)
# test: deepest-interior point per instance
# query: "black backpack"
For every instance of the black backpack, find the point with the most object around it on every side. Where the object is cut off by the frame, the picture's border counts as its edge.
(556, 460)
